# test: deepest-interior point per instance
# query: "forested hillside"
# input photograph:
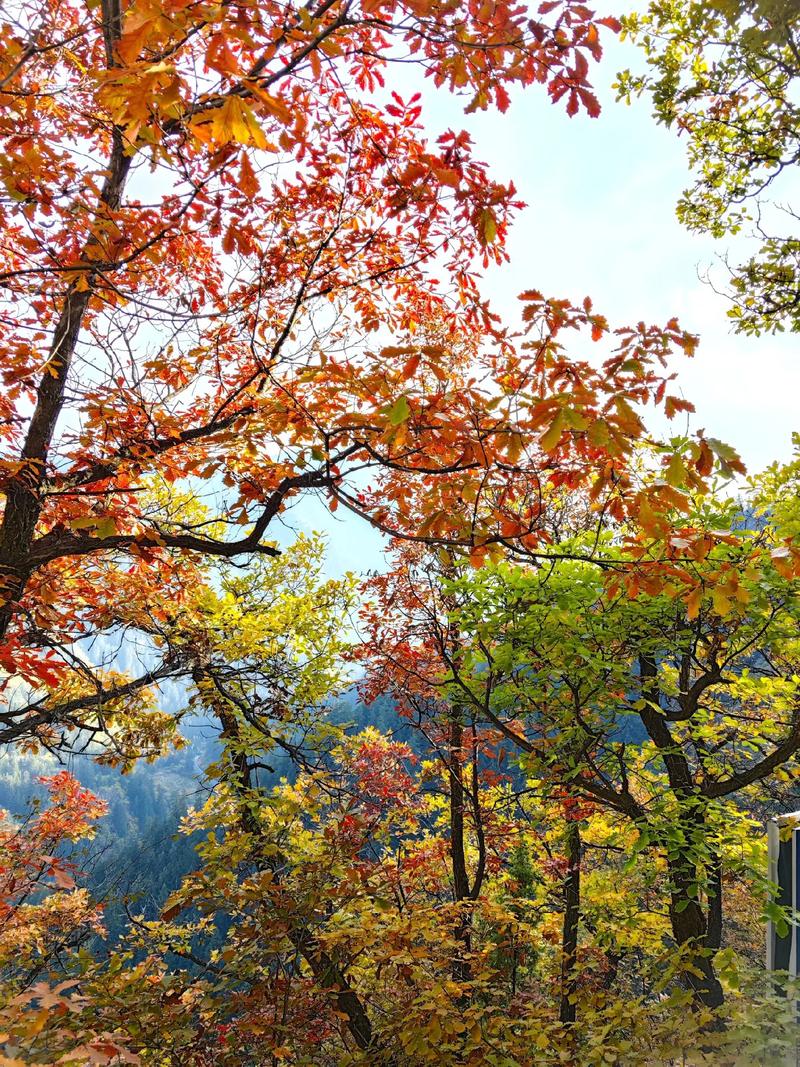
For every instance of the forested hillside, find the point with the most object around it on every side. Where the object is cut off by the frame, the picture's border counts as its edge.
(138, 853)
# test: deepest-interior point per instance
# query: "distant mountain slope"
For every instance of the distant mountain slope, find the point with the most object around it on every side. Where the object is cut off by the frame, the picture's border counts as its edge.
(138, 854)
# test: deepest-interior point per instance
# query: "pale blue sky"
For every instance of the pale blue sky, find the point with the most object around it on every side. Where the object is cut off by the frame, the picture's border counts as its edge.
(600, 221)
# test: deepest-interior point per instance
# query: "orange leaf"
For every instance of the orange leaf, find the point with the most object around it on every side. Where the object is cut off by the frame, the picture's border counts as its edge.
(248, 182)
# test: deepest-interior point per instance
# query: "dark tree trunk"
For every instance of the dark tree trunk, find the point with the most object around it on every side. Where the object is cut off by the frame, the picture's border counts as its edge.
(689, 925)
(690, 928)
(714, 931)
(569, 938)
(327, 974)
(23, 504)
(458, 860)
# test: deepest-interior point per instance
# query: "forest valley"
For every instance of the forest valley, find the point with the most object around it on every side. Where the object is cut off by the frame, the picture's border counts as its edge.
(236, 274)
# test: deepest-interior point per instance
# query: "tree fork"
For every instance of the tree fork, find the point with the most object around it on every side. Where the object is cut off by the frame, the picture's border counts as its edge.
(689, 926)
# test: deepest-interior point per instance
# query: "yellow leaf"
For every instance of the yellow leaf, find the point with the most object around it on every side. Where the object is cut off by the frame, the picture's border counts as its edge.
(722, 604)
(232, 121)
(487, 228)
(651, 520)
(597, 433)
(742, 594)
(552, 434)
(676, 471)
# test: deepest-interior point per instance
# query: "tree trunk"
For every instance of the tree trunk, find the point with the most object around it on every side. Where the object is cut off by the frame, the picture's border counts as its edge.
(714, 931)
(689, 928)
(23, 504)
(327, 974)
(458, 861)
(689, 925)
(569, 937)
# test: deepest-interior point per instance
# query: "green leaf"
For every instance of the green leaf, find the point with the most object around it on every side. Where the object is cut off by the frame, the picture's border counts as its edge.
(106, 527)
(399, 411)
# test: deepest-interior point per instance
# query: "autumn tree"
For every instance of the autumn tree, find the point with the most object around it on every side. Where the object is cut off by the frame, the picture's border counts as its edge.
(326, 920)
(215, 219)
(423, 644)
(45, 915)
(560, 662)
(355, 855)
(260, 654)
(235, 270)
(725, 74)
(235, 168)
